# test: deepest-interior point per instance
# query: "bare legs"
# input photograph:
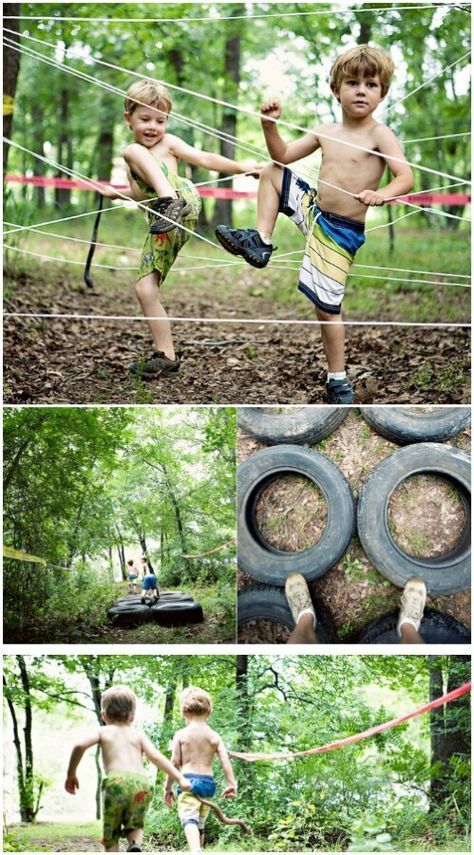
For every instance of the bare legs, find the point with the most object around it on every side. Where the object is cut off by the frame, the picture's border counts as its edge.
(148, 293)
(333, 337)
(193, 836)
(304, 631)
(409, 635)
(268, 198)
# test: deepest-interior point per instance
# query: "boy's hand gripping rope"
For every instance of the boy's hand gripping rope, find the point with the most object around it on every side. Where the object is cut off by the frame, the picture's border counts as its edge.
(90, 255)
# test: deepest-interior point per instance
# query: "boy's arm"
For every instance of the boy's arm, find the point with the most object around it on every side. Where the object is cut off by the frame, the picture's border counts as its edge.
(72, 784)
(231, 790)
(176, 761)
(158, 759)
(281, 151)
(402, 182)
(208, 160)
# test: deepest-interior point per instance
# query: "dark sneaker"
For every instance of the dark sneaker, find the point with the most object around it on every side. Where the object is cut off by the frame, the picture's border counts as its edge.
(340, 391)
(157, 363)
(173, 209)
(134, 847)
(247, 243)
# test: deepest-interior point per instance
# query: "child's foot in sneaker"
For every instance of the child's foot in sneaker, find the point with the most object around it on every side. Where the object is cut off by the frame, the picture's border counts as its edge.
(134, 847)
(171, 213)
(340, 391)
(412, 603)
(298, 598)
(247, 243)
(157, 363)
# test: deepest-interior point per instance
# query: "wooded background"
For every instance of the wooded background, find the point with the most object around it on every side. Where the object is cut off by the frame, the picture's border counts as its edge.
(83, 486)
(405, 789)
(232, 59)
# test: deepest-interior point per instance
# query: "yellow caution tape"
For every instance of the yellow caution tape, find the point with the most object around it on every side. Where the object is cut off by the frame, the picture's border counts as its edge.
(9, 552)
(8, 105)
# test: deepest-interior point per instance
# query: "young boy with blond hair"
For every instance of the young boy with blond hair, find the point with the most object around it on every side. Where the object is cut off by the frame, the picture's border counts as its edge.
(152, 162)
(355, 152)
(194, 749)
(126, 788)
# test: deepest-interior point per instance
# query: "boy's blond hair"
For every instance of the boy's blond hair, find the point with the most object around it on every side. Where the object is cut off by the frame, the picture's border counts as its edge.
(118, 703)
(195, 701)
(148, 92)
(369, 60)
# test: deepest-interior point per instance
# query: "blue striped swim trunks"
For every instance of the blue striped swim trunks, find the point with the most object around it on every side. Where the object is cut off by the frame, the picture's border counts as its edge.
(331, 243)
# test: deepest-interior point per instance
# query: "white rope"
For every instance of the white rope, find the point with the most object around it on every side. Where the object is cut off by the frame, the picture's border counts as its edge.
(96, 184)
(320, 180)
(426, 82)
(308, 172)
(276, 266)
(229, 263)
(276, 321)
(71, 54)
(441, 137)
(218, 18)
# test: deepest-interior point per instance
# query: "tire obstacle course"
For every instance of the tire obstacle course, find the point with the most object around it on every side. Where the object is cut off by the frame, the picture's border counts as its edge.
(173, 608)
(421, 434)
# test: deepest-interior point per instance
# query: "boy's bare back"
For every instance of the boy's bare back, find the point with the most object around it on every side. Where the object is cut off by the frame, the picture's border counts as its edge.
(197, 745)
(122, 748)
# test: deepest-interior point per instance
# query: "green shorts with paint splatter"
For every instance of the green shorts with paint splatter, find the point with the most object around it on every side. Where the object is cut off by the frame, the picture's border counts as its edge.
(126, 798)
(161, 250)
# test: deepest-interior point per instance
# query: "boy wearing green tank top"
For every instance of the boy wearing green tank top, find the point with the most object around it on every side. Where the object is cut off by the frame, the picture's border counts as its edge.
(152, 163)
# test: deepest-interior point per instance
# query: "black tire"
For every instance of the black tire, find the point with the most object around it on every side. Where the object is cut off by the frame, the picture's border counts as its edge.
(128, 616)
(303, 427)
(165, 596)
(435, 628)
(403, 426)
(264, 603)
(177, 614)
(272, 566)
(444, 573)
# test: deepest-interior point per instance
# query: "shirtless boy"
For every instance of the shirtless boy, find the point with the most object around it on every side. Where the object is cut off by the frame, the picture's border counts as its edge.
(126, 789)
(332, 215)
(152, 161)
(194, 750)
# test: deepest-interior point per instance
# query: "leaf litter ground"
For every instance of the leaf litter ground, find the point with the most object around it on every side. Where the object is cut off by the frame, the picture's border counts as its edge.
(426, 518)
(54, 361)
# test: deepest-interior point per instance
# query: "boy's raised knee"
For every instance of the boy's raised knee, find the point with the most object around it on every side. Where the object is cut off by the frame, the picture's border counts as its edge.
(131, 152)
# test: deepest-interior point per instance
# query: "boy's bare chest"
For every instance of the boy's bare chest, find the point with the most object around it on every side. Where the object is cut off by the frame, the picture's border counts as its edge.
(350, 152)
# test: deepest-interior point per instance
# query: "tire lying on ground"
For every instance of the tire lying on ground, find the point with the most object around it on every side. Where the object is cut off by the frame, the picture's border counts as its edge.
(129, 615)
(403, 427)
(442, 573)
(435, 628)
(176, 613)
(168, 596)
(255, 555)
(301, 427)
(265, 603)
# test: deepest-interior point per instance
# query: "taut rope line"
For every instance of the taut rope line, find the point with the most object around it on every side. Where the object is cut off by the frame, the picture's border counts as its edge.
(350, 740)
(277, 321)
(254, 113)
(217, 19)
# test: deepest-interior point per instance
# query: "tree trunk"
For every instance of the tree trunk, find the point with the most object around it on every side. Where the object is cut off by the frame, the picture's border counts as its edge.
(102, 164)
(243, 702)
(11, 67)
(448, 737)
(232, 52)
(29, 796)
(40, 166)
(62, 197)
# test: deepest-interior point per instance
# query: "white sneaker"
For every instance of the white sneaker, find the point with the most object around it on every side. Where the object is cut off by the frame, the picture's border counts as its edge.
(412, 603)
(298, 597)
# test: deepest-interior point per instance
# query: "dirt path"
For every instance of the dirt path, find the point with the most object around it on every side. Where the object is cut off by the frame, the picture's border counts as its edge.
(354, 592)
(81, 361)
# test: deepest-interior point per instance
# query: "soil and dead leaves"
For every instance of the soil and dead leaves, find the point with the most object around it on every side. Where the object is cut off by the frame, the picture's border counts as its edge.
(354, 592)
(55, 361)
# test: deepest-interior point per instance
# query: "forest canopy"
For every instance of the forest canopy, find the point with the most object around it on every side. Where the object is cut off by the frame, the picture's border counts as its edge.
(410, 784)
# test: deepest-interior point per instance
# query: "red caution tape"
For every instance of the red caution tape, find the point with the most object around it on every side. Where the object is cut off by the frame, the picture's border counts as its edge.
(226, 192)
(349, 740)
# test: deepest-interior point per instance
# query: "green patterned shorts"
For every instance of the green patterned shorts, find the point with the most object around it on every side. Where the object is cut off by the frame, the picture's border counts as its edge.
(160, 251)
(126, 798)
